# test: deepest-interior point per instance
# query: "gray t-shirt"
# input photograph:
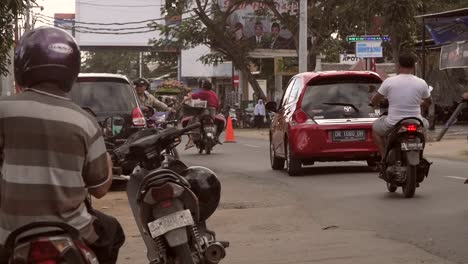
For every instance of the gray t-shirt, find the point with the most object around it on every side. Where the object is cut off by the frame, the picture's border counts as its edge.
(405, 93)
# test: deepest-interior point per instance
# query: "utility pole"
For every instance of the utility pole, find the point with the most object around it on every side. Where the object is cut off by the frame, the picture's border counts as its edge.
(27, 25)
(141, 64)
(302, 36)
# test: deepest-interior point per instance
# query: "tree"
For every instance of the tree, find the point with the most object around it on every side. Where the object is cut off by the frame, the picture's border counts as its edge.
(208, 25)
(9, 11)
(126, 62)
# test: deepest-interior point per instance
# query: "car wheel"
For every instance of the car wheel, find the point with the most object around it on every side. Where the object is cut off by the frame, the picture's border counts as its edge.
(276, 163)
(293, 166)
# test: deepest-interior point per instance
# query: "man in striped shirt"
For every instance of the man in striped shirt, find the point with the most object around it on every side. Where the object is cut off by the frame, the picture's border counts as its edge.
(53, 150)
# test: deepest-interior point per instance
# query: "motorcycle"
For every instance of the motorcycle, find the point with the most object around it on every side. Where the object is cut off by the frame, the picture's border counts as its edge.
(204, 138)
(404, 165)
(170, 201)
(60, 243)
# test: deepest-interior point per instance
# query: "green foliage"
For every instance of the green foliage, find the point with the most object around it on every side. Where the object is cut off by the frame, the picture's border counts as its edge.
(9, 10)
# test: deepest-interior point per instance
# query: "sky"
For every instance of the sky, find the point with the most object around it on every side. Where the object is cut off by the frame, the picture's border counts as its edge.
(55, 6)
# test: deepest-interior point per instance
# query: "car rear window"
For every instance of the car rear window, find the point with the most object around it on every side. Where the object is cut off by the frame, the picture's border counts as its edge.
(340, 98)
(103, 95)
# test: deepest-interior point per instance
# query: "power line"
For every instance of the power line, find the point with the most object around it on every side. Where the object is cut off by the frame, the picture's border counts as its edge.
(93, 28)
(97, 32)
(113, 23)
(106, 24)
(131, 6)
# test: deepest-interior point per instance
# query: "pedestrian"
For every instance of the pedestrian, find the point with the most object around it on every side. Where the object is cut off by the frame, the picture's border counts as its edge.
(259, 113)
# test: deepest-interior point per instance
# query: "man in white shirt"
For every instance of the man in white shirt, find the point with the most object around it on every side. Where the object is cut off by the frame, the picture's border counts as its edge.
(406, 94)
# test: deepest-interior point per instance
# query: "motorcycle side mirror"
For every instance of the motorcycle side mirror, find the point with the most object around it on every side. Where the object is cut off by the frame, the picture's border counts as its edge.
(148, 111)
(112, 126)
(271, 106)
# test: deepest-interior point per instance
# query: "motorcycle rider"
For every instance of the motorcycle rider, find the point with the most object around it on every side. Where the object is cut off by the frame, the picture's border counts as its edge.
(205, 93)
(53, 150)
(406, 93)
(147, 99)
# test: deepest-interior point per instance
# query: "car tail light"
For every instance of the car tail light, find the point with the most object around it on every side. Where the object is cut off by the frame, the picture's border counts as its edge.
(162, 193)
(138, 119)
(300, 117)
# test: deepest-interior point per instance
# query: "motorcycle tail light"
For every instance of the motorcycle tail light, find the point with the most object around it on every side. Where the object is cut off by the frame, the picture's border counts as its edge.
(138, 119)
(165, 192)
(412, 128)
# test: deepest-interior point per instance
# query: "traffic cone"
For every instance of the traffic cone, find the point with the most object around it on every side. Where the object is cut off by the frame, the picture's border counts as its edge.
(229, 132)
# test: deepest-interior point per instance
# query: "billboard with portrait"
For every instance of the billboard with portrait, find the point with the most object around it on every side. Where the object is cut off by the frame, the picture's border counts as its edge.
(261, 31)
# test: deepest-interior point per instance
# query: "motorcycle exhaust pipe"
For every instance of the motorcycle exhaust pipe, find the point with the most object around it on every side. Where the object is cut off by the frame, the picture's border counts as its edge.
(214, 253)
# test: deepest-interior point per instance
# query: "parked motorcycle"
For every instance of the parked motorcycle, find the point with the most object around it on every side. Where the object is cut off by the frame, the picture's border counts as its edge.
(48, 242)
(404, 164)
(170, 201)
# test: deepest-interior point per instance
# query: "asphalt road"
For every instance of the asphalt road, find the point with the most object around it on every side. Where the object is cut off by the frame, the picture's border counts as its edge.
(349, 196)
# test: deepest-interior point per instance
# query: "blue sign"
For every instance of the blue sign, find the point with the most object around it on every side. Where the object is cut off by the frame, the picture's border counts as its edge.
(369, 49)
(448, 30)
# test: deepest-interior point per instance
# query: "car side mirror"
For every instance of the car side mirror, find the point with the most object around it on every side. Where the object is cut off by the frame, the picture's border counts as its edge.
(271, 106)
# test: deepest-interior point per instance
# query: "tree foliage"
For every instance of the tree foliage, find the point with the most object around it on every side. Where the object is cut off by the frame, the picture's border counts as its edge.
(9, 11)
(126, 62)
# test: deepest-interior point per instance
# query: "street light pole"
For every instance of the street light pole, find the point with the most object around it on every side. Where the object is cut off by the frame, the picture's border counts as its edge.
(303, 36)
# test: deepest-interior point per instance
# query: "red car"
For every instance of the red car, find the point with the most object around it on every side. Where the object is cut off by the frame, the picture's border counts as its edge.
(324, 116)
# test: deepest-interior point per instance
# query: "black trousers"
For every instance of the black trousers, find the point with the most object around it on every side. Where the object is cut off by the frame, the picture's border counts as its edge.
(259, 121)
(111, 238)
(106, 248)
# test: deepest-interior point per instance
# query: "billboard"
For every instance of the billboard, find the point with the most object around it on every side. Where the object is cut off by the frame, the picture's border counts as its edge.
(369, 49)
(65, 22)
(454, 56)
(447, 30)
(260, 31)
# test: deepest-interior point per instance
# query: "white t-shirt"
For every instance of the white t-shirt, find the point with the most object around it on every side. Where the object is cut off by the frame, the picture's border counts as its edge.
(404, 92)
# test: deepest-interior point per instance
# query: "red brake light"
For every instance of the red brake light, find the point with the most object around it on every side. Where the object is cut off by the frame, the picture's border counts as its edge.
(138, 119)
(300, 116)
(43, 252)
(162, 193)
(412, 127)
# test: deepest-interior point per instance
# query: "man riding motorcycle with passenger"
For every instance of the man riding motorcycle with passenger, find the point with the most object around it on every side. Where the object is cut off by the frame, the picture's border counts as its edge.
(147, 99)
(405, 93)
(205, 93)
(53, 150)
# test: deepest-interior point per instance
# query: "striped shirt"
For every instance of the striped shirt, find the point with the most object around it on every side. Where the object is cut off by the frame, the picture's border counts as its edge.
(52, 152)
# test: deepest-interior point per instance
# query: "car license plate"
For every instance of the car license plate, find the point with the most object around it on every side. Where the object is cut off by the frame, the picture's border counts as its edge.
(411, 146)
(348, 135)
(170, 222)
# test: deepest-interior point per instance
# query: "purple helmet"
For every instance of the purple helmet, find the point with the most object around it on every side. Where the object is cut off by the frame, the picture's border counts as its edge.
(47, 54)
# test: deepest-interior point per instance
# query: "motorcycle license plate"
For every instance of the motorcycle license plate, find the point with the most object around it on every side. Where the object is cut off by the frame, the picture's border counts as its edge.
(411, 146)
(170, 222)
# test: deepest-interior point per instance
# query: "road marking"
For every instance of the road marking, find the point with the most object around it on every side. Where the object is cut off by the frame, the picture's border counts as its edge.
(455, 177)
(252, 146)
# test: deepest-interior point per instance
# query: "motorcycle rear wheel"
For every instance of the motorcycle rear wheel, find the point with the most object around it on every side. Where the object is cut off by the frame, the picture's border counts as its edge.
(184, 254)
(391, 187)
(409, 188)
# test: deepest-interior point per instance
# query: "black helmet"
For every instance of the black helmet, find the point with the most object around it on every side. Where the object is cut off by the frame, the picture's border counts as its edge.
(206, 186)
(47, 54)
(204, 83)
(141, 81)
